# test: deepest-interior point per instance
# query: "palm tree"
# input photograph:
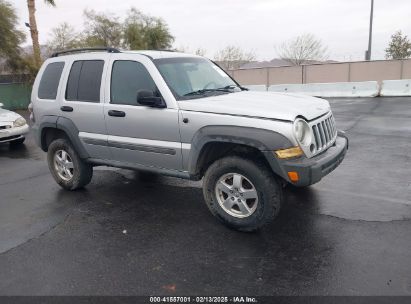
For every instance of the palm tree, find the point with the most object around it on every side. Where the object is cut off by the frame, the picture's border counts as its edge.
(31, 4)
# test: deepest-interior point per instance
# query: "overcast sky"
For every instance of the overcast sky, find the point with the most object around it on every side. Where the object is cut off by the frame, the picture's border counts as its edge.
(255, 25)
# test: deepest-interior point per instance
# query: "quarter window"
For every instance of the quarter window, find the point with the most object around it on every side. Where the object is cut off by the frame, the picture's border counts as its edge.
(127, 79)
(85, 80)
(50, 80)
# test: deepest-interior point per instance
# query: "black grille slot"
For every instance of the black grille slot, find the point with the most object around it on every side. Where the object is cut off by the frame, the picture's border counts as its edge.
(324, 133)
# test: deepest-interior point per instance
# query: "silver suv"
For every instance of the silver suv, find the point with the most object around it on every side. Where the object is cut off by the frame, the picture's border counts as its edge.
(181, 115)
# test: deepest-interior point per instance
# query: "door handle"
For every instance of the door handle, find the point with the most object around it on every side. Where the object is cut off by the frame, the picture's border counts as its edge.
(116, 113)
(66, 109)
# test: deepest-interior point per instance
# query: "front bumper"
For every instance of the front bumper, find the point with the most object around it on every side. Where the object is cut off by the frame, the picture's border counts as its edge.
(312, 170)
(7, 135)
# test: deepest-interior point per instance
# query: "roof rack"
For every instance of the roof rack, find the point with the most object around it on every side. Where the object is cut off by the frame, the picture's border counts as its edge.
(82, 50)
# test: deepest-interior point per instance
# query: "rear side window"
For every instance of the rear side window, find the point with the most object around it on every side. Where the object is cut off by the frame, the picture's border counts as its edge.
(85, 80)
(127, 78)
(50, 80)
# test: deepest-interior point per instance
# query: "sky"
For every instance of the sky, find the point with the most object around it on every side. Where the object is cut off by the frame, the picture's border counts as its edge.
(258, 26)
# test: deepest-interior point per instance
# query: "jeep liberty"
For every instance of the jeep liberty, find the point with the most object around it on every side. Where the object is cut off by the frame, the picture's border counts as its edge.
(181, 115)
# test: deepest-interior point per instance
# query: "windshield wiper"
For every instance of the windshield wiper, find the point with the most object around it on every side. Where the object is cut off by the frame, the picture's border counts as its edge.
(228, 88)
(233, 86)
(203, 91)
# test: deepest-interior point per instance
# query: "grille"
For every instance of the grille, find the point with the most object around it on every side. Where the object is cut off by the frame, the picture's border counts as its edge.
(4, 127)
(324, 133)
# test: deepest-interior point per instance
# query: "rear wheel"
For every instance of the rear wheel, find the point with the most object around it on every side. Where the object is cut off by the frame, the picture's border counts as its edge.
(67, 168)
(243, 194)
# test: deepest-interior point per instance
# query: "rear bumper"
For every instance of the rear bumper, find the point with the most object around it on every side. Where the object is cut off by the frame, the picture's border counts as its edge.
(312, 170)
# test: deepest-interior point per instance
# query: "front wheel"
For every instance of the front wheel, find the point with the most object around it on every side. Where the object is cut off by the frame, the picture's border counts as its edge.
(67, 168)
(243, 194)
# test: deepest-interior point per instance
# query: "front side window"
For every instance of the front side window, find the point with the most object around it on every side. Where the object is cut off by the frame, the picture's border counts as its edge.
(127, 79)
(194, 77)
(85, 80)
(50, 80)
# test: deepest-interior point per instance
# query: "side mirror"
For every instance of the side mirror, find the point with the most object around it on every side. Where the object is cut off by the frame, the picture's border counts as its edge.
(147, 98)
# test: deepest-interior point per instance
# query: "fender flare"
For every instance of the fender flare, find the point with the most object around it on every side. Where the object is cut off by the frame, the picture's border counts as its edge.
(261, 139)
(65, 125)
(72, 132)
(48, 121)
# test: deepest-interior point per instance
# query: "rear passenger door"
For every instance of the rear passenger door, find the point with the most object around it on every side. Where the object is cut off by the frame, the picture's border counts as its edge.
(82, 102)
(141, 135)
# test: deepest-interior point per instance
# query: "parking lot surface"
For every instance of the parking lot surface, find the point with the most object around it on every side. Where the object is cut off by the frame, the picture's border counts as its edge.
(126, 235)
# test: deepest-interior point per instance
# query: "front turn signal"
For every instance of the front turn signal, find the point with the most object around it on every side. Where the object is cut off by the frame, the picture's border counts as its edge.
(293, 176)
(289, 153)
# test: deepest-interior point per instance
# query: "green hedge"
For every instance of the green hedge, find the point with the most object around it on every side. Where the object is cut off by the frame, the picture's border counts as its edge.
(15, 96)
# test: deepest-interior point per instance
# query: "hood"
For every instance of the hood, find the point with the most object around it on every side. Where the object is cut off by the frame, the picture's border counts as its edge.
(8, 116)
(271, 105)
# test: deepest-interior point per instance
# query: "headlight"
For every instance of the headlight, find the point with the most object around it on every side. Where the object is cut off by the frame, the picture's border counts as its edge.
(289, 153)
(302, 132)
(19, 122)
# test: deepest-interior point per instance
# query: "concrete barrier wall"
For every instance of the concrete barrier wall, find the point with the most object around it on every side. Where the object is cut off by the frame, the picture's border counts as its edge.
(289, 88)
(342, 89)
(326, 73)
(396, 88)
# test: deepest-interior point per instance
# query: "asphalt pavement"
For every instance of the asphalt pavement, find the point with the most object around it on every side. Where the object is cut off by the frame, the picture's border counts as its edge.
(127, 235)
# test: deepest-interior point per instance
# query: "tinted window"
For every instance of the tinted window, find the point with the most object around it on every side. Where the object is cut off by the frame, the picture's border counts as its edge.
(85, 80)
(49, 82)
(127, 78)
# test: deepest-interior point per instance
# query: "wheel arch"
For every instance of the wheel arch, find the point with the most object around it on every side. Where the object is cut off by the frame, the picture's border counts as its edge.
(61, 127)
(213, 142)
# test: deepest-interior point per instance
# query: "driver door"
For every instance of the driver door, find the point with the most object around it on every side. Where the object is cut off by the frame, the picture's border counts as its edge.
(140, 134)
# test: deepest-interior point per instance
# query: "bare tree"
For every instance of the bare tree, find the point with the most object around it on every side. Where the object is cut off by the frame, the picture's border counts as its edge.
(303, 48)
(201, 52)
(233, 57)
(63, 37)
(399, 47)
(188, 50)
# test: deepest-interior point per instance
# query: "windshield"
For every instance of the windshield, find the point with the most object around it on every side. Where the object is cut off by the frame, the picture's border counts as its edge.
(190, 78)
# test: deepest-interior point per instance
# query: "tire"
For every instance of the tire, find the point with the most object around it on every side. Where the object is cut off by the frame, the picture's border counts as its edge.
(255, 175)
(17, 142)
(76, 174)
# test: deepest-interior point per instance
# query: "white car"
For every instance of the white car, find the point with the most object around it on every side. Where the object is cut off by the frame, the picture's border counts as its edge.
(13, 127)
